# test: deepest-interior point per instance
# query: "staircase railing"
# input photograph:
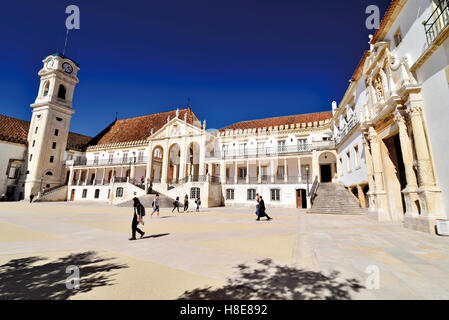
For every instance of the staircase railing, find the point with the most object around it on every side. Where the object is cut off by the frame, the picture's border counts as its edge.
(313, 190)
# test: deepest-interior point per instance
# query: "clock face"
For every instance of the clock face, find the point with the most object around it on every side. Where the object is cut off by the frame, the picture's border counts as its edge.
(67, 67)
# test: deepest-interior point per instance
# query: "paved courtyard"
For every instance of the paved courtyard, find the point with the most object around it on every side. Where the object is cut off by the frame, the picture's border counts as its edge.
(220, 253)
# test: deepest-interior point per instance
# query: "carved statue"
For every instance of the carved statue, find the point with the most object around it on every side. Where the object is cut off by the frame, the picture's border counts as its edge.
(379, 87)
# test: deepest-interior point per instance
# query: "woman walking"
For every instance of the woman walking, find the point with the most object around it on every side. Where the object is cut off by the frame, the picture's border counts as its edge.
(186, 203)
(198, 203)
(176, 204)
(139, 211)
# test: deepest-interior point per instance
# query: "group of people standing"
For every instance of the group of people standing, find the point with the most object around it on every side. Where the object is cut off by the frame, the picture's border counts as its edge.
(177, 203)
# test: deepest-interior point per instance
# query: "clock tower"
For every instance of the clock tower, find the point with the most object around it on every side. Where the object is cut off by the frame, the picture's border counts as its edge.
(50, 123)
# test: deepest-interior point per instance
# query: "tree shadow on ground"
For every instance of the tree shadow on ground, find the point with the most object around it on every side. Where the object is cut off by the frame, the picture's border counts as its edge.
(269, 281)
(32, 279)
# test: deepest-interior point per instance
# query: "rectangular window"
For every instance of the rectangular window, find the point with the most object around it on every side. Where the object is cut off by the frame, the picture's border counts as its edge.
(97, 193)
(96, 158)
(281, 146)
(261, 147)
(53, 146)
(31, 157)
(125, 157)
(111, 158)
(195, 193)
(141, 153)
(34, 143)
(52, 158)
(251, 194)
(227, 172)
(119, 193)
(242, 173)
(230, 194)
(275, 195)
(84, 193)
(56, 132)
(35, 131)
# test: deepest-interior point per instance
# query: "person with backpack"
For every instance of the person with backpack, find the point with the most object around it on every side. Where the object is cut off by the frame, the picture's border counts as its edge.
(155, 206)
(198, 203)
(186, 203)
(176, 204)
(139, 212)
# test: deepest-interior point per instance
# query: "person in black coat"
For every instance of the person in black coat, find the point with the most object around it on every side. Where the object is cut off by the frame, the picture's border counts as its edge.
(138, 209)
(262, 210)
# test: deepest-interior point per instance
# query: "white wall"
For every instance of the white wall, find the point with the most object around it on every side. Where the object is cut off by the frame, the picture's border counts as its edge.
(357, 175)
(10, 151)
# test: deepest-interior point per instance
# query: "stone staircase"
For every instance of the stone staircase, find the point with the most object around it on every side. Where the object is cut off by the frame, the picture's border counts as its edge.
(147, 201)
(333, 198)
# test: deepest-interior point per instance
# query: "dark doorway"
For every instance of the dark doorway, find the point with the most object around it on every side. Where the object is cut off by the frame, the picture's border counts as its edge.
(393, 145)
(72, 195)
(326, 173)
(301, 198)
(67, 177)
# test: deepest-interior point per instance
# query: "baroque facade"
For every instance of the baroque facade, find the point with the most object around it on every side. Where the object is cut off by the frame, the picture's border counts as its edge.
(385, 142)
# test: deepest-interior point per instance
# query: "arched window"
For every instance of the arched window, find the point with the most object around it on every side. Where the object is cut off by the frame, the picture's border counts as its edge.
(46, 88)
(61, 92)
(48, 173)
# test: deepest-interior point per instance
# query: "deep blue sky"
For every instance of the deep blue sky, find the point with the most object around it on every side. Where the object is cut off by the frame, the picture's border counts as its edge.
(236, 59)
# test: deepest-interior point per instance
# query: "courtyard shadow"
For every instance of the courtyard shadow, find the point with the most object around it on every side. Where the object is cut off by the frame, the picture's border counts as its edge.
(156, 236)
(269, 281)
(33, 278)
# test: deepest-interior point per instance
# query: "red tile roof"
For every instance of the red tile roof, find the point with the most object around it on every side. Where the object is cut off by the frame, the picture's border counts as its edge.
(13, 130)
(16, 130)
(279, 121)
(138, 129)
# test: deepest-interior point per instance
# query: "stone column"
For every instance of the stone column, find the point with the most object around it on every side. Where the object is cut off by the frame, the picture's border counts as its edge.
(70, 182)
(411, 191)
(299, 171)
(370, 173)
(202, 168)
(87, 178)
(183, 159)
(104, 174)
(315, 166)
(361, 196)
(429, 192)
(247, 172)
(425, 170)
(165, 160)
(223, 172)
(259, 176)
(285, 171)
(95, 180)
(235, 172)
(272, 171)
(380, 194)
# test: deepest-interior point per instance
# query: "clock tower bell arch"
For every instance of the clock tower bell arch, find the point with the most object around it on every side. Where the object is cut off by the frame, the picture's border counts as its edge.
(50, 123)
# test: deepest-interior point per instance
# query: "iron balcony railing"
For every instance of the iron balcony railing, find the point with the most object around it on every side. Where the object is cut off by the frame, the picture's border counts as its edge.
(107, 162)
(437, 22)
(260, 152)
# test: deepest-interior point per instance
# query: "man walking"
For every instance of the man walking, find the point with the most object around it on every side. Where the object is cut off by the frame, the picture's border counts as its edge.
(155, 206)
(262, 210)
(186, 203)
(138, 211)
